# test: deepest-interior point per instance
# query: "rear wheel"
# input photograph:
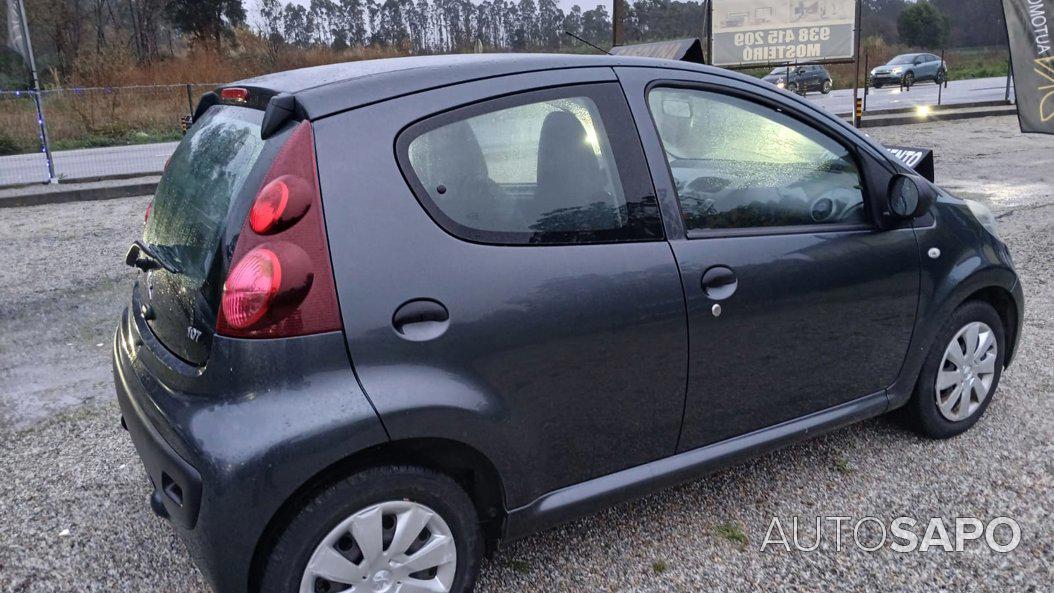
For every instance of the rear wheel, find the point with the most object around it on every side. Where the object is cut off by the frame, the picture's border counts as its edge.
(961, 372)
(940, 77)
(398, 529)
(909, 79)
(876, 84)
(825, 88)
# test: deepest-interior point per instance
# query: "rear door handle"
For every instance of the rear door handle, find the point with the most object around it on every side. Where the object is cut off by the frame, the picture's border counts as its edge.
(719, 282)
(418, 320)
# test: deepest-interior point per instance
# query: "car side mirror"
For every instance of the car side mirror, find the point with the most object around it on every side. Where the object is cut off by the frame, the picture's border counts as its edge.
(909, 197)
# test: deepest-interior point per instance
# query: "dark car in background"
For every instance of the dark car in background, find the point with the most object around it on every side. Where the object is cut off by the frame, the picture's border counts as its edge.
(907, 69)
(391, 314)
(801, 79)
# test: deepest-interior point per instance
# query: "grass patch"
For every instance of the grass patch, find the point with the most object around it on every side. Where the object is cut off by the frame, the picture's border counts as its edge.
(659, 566)
(841, 465)
(732, 532)
(519, 566)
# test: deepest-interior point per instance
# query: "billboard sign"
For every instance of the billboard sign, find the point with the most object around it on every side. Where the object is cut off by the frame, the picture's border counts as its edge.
(1028, 24)
(769, 32)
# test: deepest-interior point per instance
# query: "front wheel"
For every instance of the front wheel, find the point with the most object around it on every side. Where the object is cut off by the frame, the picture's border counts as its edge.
(825, 88)
(909, 79)
(961, 372)
(383, 530)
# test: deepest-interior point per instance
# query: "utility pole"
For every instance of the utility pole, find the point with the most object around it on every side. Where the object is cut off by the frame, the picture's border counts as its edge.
(28, 48)
(856, 78)
(616, 22)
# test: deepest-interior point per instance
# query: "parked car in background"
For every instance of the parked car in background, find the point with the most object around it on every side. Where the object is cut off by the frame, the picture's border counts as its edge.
(539, 286)
(801, 79)
(907, 69)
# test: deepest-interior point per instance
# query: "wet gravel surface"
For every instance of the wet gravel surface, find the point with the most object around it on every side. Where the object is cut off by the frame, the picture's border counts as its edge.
(73, 512)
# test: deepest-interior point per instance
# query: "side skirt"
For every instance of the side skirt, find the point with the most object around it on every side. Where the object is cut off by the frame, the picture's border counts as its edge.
(579, 500)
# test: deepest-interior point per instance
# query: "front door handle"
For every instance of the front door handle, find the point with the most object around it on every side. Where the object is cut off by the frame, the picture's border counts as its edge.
(719, 282)
(418, 320)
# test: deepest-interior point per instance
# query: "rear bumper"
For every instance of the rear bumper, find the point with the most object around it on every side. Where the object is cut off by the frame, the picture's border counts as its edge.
(226, 447)
(176, 483)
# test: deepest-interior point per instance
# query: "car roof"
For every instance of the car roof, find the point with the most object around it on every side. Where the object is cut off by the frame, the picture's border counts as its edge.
(324, 90)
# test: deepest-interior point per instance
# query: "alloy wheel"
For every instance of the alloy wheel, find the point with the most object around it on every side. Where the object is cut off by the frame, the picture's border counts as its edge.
(397, 546)
(964, 379)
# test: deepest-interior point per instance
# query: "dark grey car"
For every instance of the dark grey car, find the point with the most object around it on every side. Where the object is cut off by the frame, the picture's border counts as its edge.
(392, 314)
(801, 79)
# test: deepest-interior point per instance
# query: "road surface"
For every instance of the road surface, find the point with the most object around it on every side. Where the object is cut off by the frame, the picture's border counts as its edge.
(150, 158)
(923, 93)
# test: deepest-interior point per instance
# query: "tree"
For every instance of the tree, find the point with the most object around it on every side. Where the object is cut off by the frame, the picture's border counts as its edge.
(295, 25)
(974, 22)
(923, 25)
(208, 21)
(596, 26)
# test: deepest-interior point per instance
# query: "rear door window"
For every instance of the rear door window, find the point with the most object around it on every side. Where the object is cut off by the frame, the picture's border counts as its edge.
(547, 167)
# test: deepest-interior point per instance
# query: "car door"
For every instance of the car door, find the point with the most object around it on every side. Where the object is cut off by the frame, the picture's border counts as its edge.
(924, 67)
(796, 302)
(815, 77)
(504, 280)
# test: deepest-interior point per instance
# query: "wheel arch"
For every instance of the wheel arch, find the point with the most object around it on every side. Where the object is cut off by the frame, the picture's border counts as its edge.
(1006, 307)
(472, 470)
(995, 285)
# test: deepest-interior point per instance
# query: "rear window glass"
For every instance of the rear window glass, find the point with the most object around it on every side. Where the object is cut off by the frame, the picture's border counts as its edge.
(209, 166)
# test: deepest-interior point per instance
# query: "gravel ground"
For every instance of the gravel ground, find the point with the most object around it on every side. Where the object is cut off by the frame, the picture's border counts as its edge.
(73, 512)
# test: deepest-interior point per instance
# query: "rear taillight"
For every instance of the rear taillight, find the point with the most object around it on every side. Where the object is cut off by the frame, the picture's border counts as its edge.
(280, 204)
(251, 287)
(281, 280)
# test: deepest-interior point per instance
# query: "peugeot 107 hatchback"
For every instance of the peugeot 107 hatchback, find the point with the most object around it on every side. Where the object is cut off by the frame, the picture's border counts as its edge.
(389, 315)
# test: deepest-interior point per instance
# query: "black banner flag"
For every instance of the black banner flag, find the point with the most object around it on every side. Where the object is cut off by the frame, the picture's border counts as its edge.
(1029, 25)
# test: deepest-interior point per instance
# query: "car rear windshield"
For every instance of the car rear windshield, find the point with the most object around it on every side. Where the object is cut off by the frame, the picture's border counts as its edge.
(192, 200)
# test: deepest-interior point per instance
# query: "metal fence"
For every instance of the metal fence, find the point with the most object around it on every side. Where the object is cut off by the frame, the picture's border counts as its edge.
(93, 132)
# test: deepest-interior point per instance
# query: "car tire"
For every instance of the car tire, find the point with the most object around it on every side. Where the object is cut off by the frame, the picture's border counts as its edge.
(377, 498)
(792, 88)
(825, 88)
(924, 411)
(877, 85)
(908, 79)
(939, 78)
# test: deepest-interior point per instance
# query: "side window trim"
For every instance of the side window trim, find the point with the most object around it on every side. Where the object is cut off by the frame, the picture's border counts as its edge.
(631, 168)
(816, 124)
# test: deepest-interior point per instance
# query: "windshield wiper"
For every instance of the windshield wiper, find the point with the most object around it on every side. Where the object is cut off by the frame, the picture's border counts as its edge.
(142, 256)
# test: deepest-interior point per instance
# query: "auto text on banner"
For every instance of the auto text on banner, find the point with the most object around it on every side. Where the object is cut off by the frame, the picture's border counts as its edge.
(1028, 25)
(759, 32)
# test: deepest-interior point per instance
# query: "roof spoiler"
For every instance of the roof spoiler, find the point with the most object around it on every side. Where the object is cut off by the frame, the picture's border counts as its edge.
(279, 109)
(919, 159)
(684, 50)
